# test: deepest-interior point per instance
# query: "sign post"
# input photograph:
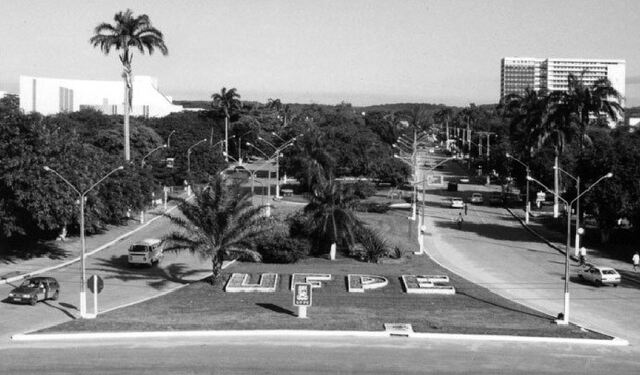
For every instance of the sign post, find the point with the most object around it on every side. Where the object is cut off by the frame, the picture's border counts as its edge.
(302, 298)
(95, 284)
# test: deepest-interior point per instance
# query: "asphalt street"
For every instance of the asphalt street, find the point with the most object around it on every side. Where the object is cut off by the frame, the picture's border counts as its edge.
(493, 250)
(314, 355)
(123, 284)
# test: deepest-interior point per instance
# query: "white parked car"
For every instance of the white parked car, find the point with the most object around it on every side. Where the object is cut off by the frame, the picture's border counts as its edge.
(456, 203)
(477, 198)
(599, 275)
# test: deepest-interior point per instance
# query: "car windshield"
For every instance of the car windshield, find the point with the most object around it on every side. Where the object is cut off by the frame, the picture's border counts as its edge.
(138, 248)
(609, 272)
(29, 284)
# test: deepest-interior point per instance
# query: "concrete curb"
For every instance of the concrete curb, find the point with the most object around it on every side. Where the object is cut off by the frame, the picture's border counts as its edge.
(77, 259)
(308, 333)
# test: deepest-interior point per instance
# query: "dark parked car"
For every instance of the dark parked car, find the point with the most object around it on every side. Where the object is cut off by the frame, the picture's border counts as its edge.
(36, 289)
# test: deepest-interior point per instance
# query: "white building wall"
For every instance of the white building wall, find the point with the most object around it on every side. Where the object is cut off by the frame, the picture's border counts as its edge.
(52, 95)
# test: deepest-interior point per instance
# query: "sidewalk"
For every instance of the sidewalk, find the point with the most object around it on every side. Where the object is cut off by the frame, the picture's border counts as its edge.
(70, 250)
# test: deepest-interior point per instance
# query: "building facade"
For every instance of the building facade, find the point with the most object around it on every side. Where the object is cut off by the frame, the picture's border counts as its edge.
(52, 95)
(519, 73)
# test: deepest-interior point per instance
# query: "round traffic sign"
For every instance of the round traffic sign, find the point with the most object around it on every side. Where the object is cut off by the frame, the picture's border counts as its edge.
(93, 280)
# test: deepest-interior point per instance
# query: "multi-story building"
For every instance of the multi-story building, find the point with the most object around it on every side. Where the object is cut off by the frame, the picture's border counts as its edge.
(52, 95)
(519, 73)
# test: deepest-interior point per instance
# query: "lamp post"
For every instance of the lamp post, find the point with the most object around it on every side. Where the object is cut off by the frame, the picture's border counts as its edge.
(577, 180)
(424, 206)
(189, 154)
(278, 150)
(151, 152)
(169, 138)
(81, 198)
(268, 160)
(565, 317)
(412, 161)
(527, 204)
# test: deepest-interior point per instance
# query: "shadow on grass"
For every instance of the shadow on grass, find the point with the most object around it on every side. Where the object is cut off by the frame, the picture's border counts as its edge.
(275, 308)
(157, 277)
(522, 310)
(24, 250)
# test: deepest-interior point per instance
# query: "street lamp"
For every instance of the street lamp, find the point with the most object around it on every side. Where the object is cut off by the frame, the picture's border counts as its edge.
(169, 138)
(565, 317)
(278, 150)
(81, 197)
(189, 154)
(527, 204)
(268, 161)
(577, 180)
(151, 152)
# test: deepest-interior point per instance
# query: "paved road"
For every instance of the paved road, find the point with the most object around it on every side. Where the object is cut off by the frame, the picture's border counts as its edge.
(314, 355)
(493, 250)
(123, 284)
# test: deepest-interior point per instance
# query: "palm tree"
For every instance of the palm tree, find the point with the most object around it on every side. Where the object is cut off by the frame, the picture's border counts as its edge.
(219, 223)
(444, 115)
(587, 102)
(128, 33)
(228, 102)
(330, 209)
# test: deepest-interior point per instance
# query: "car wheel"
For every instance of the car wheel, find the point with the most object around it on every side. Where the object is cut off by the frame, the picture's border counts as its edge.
(33, 300)
(56, 295)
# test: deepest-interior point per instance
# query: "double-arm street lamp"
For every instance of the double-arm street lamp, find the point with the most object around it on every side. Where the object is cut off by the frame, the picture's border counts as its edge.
(268, 160)
(527, 205)
(577, 180)
(277, 152)
(151, 152)
(189, 154)
(565, 317)
(81, 198)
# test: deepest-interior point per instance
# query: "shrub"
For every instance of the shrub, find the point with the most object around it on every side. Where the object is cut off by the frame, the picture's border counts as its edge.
(379, 208)
(373, 246)
(277, 247)
(364, 189)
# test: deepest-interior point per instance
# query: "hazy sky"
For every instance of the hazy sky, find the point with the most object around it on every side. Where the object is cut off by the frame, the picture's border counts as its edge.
(359, 51)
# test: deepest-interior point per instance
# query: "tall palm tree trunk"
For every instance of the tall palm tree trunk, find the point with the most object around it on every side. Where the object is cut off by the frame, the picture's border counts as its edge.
(226, 138)
(556, 187)
(128, 93)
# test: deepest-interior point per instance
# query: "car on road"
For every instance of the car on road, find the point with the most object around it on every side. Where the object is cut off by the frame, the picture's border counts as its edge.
(477, 198)
(149, 252)
(599, 275)
(456, 203)
(35, 289)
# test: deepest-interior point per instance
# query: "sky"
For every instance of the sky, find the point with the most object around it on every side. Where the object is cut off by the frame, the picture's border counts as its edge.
(312, 51)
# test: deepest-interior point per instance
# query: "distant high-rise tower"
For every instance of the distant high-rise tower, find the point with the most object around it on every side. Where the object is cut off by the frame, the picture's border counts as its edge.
(518, 73)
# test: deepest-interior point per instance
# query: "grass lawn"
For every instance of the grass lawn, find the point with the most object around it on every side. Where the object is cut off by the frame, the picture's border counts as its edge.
(473, 310)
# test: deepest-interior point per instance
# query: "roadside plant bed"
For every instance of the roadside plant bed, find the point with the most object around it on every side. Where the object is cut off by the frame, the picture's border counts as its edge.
(472, 310)
(200, 306)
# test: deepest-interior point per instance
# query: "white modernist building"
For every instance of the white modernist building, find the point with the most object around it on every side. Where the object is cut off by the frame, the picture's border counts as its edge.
(53, 95)
(518, 73)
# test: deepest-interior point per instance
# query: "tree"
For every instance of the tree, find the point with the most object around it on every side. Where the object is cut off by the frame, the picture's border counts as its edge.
(227, 101)
(128, 33)
(444, 116)
(330, 209)
(219, 223)
(587, 102)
